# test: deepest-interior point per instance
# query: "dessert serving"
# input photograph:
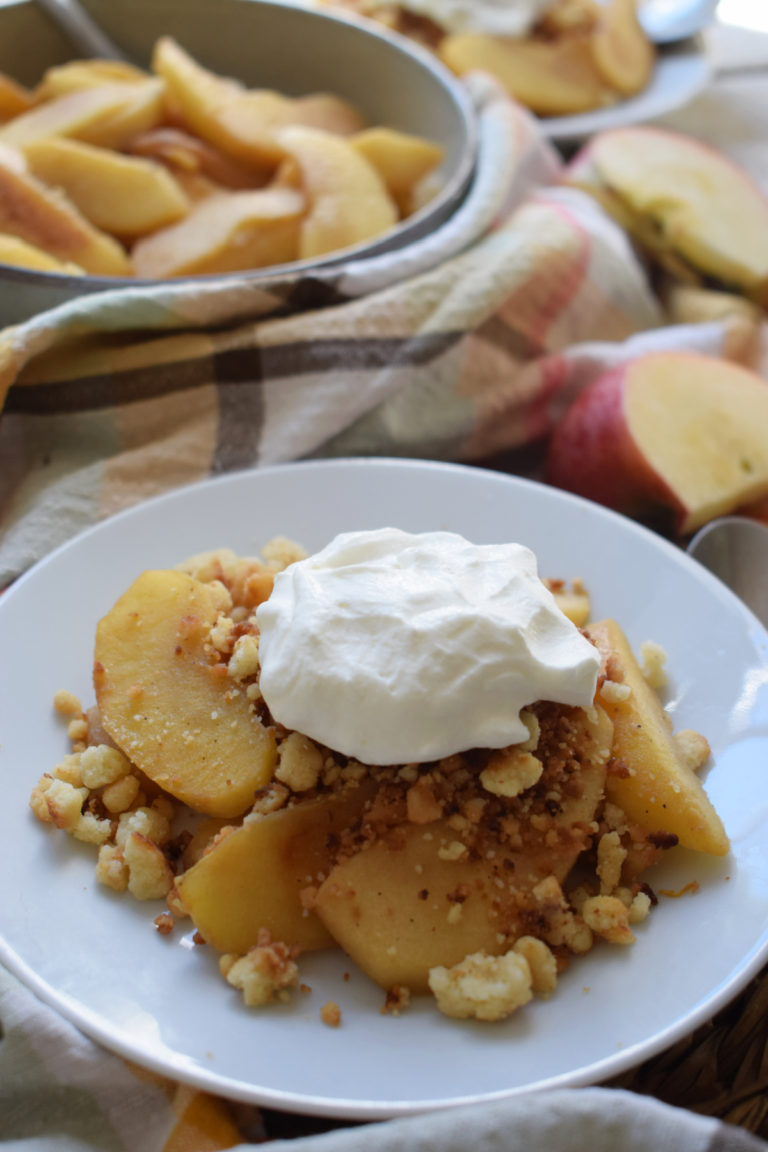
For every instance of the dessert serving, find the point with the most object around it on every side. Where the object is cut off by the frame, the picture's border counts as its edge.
(406, 746)
(558, 57)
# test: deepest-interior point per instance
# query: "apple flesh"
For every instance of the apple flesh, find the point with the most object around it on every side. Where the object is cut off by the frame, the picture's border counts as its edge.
(668, 430)
(677, 196)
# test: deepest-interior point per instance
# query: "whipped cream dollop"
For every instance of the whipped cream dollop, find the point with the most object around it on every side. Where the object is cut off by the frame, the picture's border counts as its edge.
(396, 648)
(494, 17)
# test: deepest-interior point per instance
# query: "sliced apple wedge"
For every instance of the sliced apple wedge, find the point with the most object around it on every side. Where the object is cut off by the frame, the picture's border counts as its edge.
(622, 52)
(44, 218)
(348, 202)
(661, 792)
(23, 255)
(211, 106)
(14, 99)
(107, 115)
(227, 232)
(75, 75)
(123, 195)
(552, 78)
(163, 703)
(686, 197)
(401, 159)
(669, 430)
(252, 877)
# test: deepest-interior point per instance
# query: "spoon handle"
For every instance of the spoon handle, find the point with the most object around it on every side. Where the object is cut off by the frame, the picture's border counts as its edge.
(82, 30)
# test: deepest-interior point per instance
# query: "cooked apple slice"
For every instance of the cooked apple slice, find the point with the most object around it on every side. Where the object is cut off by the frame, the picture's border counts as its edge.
(326, 111)
(123, 195)
(14, 99)
(660, 792)
(622, 52)
(348, 202)
(185, 154)
(669, 430)
(109, 115)
(211, 105)
(552, 78)
(164, 704)
(23, 255)
(390, 906)
(45, 219)
(228, 232)
(76, 75)
(402, 160)
(252, 878)
(703, 207)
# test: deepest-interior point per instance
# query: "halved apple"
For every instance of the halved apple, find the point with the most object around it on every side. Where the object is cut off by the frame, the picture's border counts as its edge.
(668, 430)
(675, 194)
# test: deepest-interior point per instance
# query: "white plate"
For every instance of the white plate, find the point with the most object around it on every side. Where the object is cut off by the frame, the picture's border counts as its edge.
(682, 71)
(96, 957)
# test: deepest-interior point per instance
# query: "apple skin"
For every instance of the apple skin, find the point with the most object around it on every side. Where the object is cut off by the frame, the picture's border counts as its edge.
(674, 431)
(593, 453)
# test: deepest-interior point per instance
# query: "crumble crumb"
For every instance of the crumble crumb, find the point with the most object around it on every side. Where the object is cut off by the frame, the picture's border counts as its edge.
(397, 1000)
(149, 873)
(608, 917)
(509, 773)
(541, 961)
(560, 924)
(111, 868)
(164, 923)
(244, 661)
(652, 661)
(102, 764)
(482, 987)
(613, 692)
(67, 704)
(692, 748)
(330, 1014)
(610, 858)
(299, 763)
(265, 973)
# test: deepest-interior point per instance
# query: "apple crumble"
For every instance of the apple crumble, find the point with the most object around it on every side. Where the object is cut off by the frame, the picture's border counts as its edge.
(476, 877)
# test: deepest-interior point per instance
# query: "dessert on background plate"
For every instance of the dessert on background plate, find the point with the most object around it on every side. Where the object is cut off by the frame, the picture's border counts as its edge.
(405, 745)
(558, 57)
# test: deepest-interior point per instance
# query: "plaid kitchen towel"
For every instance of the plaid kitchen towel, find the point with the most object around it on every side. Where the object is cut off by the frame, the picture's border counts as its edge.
(466, 344)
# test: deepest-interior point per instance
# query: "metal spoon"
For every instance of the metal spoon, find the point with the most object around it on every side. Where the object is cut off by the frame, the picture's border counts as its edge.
(664, 22)
(735, 549)
(86, 35)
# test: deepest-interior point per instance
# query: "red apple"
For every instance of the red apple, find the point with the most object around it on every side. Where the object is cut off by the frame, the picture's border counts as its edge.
(670, 430)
